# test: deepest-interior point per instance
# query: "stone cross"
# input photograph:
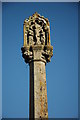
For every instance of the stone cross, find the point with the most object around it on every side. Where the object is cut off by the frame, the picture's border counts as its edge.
(37, 51)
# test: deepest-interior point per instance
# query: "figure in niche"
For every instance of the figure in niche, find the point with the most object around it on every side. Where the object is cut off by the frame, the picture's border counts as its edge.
(37, 36)
(37, 29)
(42, 37)
(37, 33)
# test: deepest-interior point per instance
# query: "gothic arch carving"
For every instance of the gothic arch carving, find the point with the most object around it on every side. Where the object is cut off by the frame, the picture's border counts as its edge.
(36, 30)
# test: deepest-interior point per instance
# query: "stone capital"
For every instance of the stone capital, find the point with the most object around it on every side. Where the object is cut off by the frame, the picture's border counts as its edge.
(37, 53)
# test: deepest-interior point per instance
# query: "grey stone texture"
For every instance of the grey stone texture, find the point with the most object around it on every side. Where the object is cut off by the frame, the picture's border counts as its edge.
(38, 91)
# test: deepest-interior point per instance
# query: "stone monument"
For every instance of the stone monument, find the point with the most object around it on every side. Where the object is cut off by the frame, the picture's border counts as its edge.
(37, 51)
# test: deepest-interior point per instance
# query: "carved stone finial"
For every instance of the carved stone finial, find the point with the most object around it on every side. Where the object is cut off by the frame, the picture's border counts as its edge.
(37, 36)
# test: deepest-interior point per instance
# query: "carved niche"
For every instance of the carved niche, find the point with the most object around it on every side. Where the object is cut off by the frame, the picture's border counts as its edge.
(36, 30)
(37, 39)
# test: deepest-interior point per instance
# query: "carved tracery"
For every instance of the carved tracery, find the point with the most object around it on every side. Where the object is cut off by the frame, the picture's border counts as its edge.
(37, 38)
(36, 30)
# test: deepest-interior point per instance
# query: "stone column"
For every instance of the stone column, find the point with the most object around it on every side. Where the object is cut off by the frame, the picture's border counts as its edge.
(38, 91)
(37, 55)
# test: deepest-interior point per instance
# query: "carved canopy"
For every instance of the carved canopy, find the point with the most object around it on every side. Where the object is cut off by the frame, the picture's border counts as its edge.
(36, 30)
(37, 39)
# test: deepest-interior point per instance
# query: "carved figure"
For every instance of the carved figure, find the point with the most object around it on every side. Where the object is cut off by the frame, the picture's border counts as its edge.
(37, 30)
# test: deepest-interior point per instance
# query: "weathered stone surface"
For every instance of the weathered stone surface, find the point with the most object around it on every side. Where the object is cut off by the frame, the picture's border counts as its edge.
(39, 101)
(38, 28)
(37, 51)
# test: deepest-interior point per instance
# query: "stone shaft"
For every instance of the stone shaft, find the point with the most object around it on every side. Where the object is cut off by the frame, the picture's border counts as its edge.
(38, 90)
